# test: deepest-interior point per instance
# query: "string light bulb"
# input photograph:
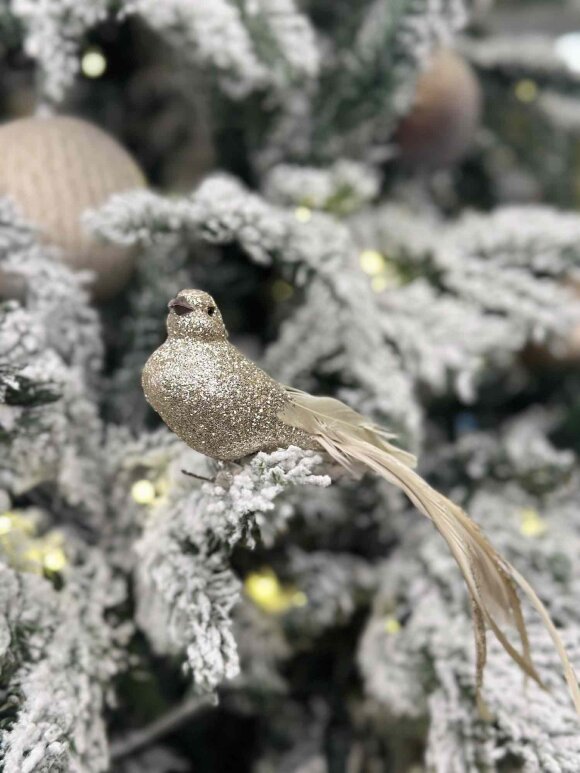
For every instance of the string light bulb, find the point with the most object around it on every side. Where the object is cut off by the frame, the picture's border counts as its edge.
(93, 63)
(268, 593)
(392, 625)
(531, 524)
(27, 552)
(16, 522)
(379, 283)
(526, 90)
(303, 214)
(45, 554)
(143, 492)
(5, 523)
(54, 560)
(383, 273)
(372, 262)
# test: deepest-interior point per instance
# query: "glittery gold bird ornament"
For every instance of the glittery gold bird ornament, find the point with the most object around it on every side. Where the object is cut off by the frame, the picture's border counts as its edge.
(222, 405)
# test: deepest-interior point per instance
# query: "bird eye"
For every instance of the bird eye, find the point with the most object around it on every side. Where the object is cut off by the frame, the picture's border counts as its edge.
(211, 310)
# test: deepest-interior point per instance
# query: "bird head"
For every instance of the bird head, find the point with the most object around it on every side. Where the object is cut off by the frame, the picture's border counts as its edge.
(193, 314)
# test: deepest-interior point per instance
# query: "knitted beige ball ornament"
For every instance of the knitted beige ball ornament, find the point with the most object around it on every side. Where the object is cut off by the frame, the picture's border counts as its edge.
(54, 169)
(442, 123)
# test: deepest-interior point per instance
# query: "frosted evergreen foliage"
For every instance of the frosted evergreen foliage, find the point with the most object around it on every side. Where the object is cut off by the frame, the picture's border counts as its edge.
(420, 299)
(249, 45)
(58, 654)
(53, 33)
(187, 588)
(500, 274)
(54, 339)
(532, 53)
(344, 187)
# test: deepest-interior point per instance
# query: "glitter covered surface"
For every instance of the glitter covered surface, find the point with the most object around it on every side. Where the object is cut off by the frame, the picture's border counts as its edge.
(215, 399)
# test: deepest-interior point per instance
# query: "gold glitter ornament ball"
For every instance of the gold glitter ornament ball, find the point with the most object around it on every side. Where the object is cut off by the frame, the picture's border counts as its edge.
(55, 168)
(441, 126)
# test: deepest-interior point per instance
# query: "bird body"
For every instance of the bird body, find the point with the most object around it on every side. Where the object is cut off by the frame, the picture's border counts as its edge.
(216, 400)
(223, 405)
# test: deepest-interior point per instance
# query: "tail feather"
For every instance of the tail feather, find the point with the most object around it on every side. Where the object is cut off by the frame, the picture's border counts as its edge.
(491, 581)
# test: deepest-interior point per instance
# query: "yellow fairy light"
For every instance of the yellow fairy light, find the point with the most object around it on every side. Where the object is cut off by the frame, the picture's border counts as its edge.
(379, 283)
(281, 290)
(24, 550)
(372, 262)
(143, 492)
(54, 560)
(526, 90)
(298, 598)
(93, 63)
(269, 594)
(15, 522)
(531, 524)
(303, 214)
(34, 554)
(392, 625)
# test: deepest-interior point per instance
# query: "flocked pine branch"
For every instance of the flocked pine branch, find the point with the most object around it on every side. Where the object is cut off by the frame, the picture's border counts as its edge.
(53, 33)
(532, 55)
(504, 274)
(59, 649)
(54, 337)
(248, 46)
(27, 381)
(560, 110)
(368, 82)
(187, 589)
(343, 187)
(59, 652)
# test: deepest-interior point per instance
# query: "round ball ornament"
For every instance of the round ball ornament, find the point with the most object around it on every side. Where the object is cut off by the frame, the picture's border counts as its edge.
(55, 168)
(442, 123)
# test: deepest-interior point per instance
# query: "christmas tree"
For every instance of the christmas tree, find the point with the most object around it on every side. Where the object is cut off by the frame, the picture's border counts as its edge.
(381, 199)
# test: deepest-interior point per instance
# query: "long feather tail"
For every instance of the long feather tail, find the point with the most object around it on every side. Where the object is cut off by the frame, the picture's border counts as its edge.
(491, 580)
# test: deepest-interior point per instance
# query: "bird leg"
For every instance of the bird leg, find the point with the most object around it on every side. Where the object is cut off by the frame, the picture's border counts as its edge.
(223, 477)
(199, 477)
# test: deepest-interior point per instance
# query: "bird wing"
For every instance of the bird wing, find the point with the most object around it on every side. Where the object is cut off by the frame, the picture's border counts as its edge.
(352, 441)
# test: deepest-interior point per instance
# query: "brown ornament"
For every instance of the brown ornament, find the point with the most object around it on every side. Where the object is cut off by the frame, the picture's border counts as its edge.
(442, 123)
(54, 169)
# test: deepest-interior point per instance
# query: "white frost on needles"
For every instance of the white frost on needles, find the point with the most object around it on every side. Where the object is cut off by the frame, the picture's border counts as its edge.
(186, 588)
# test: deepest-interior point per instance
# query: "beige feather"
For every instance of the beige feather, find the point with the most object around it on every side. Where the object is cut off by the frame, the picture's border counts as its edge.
(336, 415)
(352, 441)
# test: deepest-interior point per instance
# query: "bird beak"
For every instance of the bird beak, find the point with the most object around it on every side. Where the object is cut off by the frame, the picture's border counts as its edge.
(179, 306)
